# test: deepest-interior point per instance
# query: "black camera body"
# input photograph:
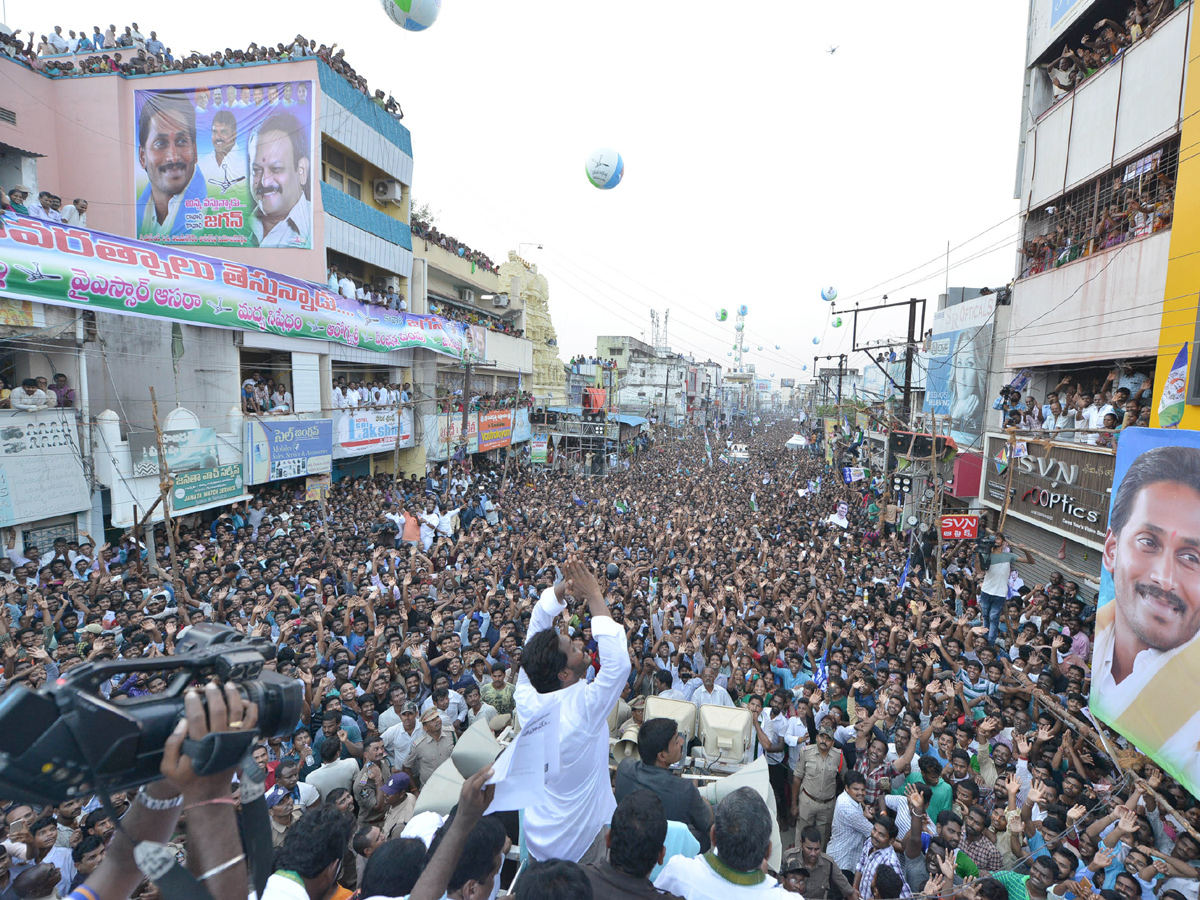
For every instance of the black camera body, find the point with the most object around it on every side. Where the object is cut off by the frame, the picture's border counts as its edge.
(66, 740)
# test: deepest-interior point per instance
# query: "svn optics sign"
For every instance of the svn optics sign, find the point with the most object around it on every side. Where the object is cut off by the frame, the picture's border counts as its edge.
(956, 528)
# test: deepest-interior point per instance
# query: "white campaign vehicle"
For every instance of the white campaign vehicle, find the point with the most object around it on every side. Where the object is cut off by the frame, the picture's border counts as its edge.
(739, 451)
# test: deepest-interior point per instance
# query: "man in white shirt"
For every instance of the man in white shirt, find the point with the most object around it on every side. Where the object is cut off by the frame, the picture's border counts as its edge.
(346, 287)
(429, 522)
(76, 213)
(279, 178)
(29, 398)
(709, 691)
(399, 738)
(742, 840)
(58, 42)
(579, 799)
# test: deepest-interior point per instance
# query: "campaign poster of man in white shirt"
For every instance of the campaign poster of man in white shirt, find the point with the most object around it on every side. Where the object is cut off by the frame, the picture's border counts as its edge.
(1146, 661)
(279, 173)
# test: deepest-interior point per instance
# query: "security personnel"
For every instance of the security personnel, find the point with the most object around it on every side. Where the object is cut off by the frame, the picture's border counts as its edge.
(814, 785)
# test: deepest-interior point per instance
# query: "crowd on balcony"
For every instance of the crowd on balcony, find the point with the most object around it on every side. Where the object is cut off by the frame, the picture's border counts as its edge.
(1117, 213)
(33, 394)
(46, 205)
(132, 53)
(1083, 409)
(469, 317)
(1108, 40)
(341, 283)
(451, 401)
(585, 360)
(431, 235)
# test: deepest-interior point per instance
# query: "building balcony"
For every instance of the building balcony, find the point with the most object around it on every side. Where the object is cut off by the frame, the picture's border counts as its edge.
(462, 270)
(355, 229)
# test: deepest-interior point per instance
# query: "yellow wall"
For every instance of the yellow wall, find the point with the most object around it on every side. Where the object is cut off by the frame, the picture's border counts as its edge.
(1183, 271)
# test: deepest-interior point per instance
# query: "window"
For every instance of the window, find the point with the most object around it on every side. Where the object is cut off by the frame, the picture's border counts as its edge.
(342, 171)
(267, 369)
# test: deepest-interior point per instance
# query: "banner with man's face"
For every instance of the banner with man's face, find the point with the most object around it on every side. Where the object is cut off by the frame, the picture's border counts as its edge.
(229, 164)
(1146, 652)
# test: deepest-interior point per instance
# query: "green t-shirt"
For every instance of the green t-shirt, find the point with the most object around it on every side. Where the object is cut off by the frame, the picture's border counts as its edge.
(943, 794)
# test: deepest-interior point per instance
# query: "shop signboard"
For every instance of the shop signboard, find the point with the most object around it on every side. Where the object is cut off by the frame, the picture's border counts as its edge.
(186, 451)
(287, 448)
(360, 431)
(957, 528)
(495, 429)
(206, 487)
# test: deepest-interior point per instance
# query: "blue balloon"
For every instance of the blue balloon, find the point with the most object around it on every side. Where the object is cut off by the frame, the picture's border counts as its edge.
(462, 251)
(816, 340)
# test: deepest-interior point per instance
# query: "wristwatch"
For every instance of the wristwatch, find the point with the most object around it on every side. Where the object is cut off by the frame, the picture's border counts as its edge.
(156, 804)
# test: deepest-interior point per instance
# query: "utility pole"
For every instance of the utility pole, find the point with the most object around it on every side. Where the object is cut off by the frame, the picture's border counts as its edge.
(841, 371)
(165, 483)
(666, 387)
(909, 349)
(396, 449)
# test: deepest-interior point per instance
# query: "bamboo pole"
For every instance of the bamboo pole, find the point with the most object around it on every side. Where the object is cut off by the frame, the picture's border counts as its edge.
(165, 483)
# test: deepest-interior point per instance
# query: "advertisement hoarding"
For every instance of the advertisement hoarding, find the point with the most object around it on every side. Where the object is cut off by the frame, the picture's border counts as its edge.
(495, 429)
(787, 382)
(287, 448)
(957, 528)
(957, 361)
(186, 451)
(41, 468)
(538, 445)
(1146, 656)
(359, 431)
(230, 165)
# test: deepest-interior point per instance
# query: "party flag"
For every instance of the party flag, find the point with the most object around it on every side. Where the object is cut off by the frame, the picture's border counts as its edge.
(1170, 407)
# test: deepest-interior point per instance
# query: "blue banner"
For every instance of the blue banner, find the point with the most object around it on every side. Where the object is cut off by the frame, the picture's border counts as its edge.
(287, 448)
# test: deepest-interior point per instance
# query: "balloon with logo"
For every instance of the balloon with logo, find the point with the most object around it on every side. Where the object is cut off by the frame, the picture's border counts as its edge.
(804, 367)
(816, 340)
(760, 349)
(722, 315)
(605, 168)
(739, 326)
(837, 321)
(412, 15)
(776, 346)
(829, 294)
(743, 309)
(730, 353)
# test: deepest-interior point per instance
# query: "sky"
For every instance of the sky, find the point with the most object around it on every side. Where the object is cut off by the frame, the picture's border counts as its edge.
(760, 168)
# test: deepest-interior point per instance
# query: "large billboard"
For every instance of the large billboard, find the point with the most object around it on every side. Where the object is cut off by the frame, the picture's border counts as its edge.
(227, 164)
(958, 357)
(495, 429)
(360, 431)
(1146, 657)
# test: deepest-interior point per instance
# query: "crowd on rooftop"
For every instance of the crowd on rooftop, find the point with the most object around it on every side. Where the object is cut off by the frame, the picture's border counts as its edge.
(130, 52)
(431, 235)
(471, 317)
(923, 734)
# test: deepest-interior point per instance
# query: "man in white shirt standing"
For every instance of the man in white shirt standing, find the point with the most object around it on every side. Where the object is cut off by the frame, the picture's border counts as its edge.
(579, 799)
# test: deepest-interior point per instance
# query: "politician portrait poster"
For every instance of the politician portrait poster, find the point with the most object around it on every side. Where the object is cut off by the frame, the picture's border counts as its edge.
(1146, 654)
(226, 164)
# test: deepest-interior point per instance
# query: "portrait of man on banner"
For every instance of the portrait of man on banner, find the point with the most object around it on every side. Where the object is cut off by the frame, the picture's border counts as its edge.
(167, 152)
(1146, 656)
(279, 171)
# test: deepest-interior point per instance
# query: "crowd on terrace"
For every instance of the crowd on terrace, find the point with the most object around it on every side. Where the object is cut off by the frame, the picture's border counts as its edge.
(130, 52)
(431, 235)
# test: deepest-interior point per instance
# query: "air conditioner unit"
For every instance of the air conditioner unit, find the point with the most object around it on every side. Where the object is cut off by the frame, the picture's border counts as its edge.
(466, 295)
(500, 301)
(387, 190)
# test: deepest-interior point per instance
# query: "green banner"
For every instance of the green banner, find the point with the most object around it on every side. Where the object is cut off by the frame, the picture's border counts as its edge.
(206, 486)
(64, 266)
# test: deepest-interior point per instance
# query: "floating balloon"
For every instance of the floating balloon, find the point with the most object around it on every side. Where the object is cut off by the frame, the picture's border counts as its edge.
(776, 346)
(772, 374)
(743, 309)
(745, 349)
(730, 353)
(739, 326)
(804, 367)
(816, 340)
(760, 349)
(837, 321)
(605, 169)
(722, 315)
(412, 15)
(829, 294)
(462, 251)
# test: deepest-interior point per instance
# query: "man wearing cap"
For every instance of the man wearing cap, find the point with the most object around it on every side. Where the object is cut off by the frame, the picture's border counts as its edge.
(398, 802)
(792, 873)
(430, 750)
(399, 738)
(823, 874)
(376, 769)
(287, 776)
(283, 813)
(814, 784)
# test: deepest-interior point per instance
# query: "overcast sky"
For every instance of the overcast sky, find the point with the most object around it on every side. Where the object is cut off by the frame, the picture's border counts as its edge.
(759, 167)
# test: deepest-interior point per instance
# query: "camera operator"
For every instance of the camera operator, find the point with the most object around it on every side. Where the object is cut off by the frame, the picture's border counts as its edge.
(214, 855)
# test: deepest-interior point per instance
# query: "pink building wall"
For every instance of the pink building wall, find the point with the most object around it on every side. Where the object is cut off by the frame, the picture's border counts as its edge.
(84, 129)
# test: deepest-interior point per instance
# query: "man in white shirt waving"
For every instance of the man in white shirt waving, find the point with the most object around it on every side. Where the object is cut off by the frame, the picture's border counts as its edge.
(579, 800)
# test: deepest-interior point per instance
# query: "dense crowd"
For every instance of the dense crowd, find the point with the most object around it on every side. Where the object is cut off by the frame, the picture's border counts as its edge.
(59, 55)
(1093, 413)
(431, 235)
(471, 317)
(921, 738)
(585, 360)
(452, 401)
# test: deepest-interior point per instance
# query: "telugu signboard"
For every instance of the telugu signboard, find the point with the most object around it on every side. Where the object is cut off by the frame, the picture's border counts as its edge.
(956, 381)
(287, 448)
(64, 266)
(1059, 486)
(495, 429)
(222, 484)
(229, 165)
(186, 451)
(1146, 658)
(41, 468)
(359, 431)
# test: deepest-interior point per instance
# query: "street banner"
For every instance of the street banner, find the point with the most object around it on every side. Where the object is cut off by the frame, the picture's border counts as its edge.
(537, 449)
(958, 357)
(495, 429)
(316, 488)
(1146, 656)
(230, 164)
(287, 448)
(206, 486)
(186, 451)
(76, 267)
(359, 431)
